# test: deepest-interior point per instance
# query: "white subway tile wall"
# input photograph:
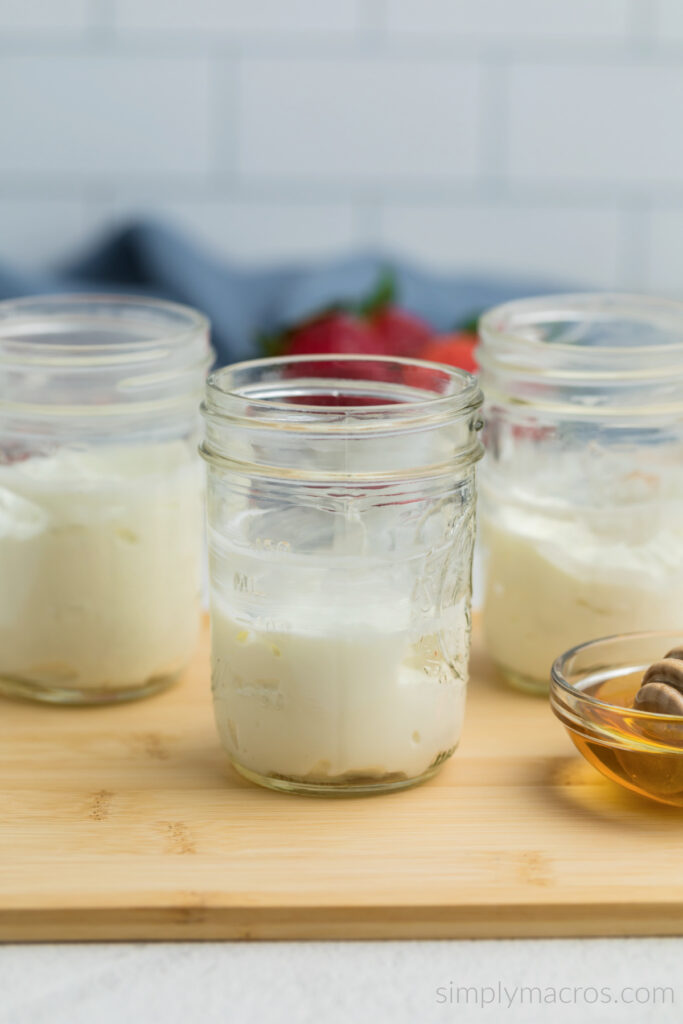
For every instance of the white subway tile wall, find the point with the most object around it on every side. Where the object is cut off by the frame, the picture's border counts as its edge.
(670, 20)
(246, 228)
(41, 17)
(530, 137)
(516, 19)
(665, 266)
(98, 117)
(363, 121)
(615, 124)
(573, 243)
(47, 228)
(275, 18)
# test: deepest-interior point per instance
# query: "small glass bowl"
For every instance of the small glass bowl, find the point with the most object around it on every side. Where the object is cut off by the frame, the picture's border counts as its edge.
(592, 688)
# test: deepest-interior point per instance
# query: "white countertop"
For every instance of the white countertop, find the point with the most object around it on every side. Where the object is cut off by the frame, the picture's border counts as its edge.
(334, 982)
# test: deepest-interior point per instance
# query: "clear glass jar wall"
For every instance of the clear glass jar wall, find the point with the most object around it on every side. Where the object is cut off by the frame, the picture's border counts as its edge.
(100, 495)
(341, 500)
(582, 487)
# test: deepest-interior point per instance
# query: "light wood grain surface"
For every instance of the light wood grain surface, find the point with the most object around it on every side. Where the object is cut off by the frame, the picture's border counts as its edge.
(127, 822)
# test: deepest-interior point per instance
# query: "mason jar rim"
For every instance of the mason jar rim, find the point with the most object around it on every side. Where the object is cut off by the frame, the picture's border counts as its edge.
(226, 399)
(353, 429)
(71, 363)
(506, 321)
(557, 355)
(26, 318)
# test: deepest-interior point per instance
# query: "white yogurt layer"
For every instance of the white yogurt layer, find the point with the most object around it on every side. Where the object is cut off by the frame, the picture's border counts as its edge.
(341, 699)
(555, 582)
(99, 565)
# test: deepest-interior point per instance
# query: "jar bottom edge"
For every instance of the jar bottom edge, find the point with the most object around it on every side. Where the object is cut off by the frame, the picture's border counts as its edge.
(343, 788)
(24, 689)
(526, 684)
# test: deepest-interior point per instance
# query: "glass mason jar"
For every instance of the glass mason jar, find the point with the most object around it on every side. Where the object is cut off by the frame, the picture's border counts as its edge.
(582, 491)
(341, 503)
(100, 495)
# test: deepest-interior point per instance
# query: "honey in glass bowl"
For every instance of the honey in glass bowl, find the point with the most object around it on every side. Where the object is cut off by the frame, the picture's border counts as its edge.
(592, 692)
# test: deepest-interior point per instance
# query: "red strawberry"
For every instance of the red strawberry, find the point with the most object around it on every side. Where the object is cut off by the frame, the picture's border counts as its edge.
(334, 333)
(453, 349)
(343, 334)
(402, 333)
(374, 327)
(337, 333)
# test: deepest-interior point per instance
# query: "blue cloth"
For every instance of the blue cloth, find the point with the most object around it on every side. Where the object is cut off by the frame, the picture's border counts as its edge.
(152, 259)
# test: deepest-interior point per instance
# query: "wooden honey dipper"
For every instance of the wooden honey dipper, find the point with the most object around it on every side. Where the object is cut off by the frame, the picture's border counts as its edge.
(661, 689)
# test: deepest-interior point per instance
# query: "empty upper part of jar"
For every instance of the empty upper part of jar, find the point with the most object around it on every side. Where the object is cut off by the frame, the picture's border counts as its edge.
(346, 416)
(91, 365)
(585, 355)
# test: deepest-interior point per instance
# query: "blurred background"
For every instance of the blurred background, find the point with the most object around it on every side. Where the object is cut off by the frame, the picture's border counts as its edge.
(531, 137)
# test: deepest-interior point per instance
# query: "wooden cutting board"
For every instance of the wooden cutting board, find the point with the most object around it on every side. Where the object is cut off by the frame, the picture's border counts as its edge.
(127, 823)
